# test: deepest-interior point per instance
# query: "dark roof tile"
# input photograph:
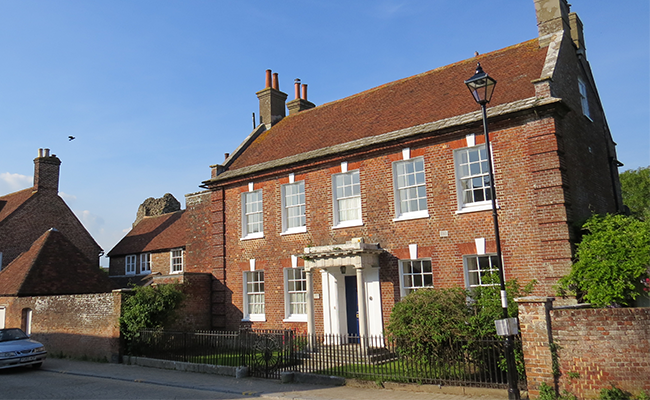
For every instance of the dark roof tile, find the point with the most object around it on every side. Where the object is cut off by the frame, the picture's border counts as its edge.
(420, 99)
(52, 266)
(156, 233)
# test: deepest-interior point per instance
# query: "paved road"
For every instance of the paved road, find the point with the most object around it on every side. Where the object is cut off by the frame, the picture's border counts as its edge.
(46, 384)
(69, 379)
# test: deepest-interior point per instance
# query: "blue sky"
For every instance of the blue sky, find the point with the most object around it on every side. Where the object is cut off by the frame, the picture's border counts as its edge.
(156, 91)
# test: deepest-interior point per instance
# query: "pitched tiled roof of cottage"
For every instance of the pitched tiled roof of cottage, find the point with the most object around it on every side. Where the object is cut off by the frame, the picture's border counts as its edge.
(12, 201)
(162, 232)
(431, 96)
(52, 266)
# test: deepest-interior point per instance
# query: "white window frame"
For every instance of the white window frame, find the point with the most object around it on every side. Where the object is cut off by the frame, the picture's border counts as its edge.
(294, 287)
(250, 230)
(129, 264)
(299, 205)
(405, 288)
(339, 200)
(584, 98)
(251, 279)
(472, 206)
(26, 320)
(477, 270)
(176, 261)
(145, 263)
(399, 213)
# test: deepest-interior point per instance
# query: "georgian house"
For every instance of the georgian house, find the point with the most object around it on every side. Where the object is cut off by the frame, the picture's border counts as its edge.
(323, 219)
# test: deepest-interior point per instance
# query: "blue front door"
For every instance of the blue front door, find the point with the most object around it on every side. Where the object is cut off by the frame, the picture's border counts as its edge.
(352, 307)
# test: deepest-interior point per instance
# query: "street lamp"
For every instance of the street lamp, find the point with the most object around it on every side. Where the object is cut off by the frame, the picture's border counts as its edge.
(481, 85)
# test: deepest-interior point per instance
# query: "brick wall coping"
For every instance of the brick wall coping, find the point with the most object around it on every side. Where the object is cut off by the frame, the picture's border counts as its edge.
(574, 306)
(476, 116)
(534, 299)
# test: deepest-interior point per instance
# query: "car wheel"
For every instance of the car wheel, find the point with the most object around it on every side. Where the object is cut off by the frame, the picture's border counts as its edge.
(37, 365)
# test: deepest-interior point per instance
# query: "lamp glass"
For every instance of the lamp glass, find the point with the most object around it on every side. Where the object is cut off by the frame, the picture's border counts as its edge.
(481, 85)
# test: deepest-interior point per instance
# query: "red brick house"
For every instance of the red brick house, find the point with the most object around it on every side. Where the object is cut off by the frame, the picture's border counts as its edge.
(27, 214)
(155, 245)
(162, 247)
(340, 210)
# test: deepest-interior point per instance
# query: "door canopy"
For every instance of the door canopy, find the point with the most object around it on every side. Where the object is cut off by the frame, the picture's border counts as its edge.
(353, 253)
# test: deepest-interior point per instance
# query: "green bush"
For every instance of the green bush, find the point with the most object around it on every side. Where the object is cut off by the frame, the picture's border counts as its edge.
(149, 307)
(611, 261)
(614, 394)
(428, 321)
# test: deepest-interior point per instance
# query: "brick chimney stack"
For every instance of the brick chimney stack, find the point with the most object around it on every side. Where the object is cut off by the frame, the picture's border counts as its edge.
(46, 172)
(552, 16)
(299, 103)
(272, 101)
(556, 16)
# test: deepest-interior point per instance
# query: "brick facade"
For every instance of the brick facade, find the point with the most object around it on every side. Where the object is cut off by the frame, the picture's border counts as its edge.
(80, 326)
(596, 348)
(553, 165)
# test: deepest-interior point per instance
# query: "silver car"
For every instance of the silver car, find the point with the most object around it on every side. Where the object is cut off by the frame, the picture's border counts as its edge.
(17, 349)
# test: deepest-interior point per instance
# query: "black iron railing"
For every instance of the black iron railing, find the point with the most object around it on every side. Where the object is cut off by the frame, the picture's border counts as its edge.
(267, 353)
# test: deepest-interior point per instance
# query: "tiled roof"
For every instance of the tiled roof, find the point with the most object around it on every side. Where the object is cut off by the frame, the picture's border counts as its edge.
(52, 266)
(161, 232)
(10, 203)
(431, 96)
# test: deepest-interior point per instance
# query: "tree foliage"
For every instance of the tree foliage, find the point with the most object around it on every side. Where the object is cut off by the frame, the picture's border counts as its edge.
(149, 307)
(611, 260)
(635, 188)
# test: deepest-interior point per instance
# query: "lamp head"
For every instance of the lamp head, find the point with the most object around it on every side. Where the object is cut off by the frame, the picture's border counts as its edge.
(481, 85)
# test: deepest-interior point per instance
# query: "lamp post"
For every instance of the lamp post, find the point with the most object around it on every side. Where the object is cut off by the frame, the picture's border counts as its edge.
(482, 86)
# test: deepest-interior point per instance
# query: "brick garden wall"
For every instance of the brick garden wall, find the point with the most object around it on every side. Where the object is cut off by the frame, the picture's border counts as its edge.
(597, 348)
(79, 326)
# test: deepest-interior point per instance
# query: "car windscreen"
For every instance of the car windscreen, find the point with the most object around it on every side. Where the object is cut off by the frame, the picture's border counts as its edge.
(11, 334)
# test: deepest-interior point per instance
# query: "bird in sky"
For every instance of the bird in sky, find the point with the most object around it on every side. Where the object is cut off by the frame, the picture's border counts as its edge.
(71, 138)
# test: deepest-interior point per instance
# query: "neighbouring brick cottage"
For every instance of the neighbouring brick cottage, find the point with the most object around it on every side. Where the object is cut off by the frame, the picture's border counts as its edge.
(340, 210)
(27, 214)
(162, 247)
(54, 292)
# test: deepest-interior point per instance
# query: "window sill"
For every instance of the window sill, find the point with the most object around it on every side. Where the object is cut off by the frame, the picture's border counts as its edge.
(175, 272)
(479, 207)
(348, 224)
(253, 236)
(409, 216)
(255, 318)
(145, 273)
(301, 318)
(293, 231)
